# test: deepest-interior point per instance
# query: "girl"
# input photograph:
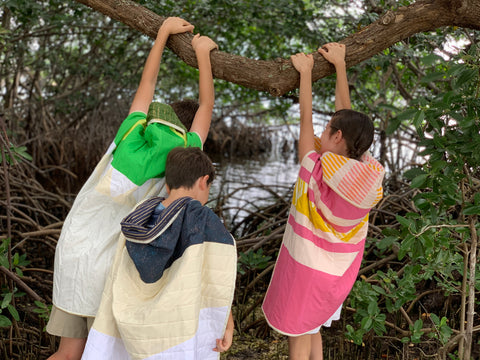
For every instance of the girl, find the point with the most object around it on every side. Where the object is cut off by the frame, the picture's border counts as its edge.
(322, 249)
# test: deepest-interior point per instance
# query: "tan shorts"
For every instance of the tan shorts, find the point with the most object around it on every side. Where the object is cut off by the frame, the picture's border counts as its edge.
(69, 325)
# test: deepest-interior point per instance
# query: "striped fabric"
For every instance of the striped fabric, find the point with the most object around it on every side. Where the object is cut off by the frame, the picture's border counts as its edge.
(324, 240)
(90, 232)
(180, 315)
(134, 224)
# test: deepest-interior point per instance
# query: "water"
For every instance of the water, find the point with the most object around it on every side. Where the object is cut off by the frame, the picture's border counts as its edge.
(244, 185)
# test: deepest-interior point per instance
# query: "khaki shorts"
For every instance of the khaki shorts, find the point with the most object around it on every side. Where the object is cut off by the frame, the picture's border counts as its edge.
(69, 325)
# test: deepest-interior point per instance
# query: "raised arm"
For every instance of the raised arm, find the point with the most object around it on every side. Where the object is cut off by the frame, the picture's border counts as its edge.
(203, 45)
(335, 54)
(304, 64)
(146, 88)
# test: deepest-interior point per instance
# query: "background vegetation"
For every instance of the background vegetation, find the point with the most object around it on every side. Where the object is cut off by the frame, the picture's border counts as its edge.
(67, 76)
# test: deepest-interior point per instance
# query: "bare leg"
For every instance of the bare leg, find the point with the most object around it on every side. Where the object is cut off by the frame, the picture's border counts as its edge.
(317, 347)
(69, 349)
(299, 347)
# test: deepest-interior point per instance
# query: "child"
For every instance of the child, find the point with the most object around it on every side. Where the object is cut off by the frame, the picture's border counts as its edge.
(324, 239)
(131, 170)
(169, 293)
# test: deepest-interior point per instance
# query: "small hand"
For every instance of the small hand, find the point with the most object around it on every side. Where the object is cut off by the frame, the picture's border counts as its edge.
(225, 343)
(333, 53)
(302, 62)
(176, 25)
(203, 43)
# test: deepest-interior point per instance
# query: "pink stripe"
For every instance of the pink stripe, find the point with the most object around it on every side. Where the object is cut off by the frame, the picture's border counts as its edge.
(300, 299)
(338, 206)
(306, 233)
(351, 184)
(304, 174)
(314, 156)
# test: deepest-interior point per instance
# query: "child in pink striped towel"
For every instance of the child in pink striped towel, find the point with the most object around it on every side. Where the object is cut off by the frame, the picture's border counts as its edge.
(338, 183)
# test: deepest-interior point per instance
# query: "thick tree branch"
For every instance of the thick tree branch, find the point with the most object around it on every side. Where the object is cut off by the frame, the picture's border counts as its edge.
(278, 76)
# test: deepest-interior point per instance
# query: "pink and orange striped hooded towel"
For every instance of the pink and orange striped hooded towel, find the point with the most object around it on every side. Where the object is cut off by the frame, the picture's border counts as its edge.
(324, 240)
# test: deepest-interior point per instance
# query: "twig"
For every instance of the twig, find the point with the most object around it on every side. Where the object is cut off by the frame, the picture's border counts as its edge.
(21, 284)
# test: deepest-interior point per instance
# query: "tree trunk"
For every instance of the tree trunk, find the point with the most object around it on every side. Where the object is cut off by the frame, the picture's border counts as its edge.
(278, 76)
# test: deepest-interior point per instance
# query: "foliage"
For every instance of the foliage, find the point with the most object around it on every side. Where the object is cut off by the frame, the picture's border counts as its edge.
(18, 152)
(8, 295)
(252, 260)
(432, 242)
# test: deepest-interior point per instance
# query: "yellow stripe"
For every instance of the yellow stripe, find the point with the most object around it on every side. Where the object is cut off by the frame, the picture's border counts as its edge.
(317, 144)
(181, 135)
(142, 122)
(306, 207)
(332, 163)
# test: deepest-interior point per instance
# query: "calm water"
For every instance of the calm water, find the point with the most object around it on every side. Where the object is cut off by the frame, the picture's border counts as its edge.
(242, 183)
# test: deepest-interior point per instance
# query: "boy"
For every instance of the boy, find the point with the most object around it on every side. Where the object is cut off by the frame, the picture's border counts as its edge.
(131, 170)
(169, 293)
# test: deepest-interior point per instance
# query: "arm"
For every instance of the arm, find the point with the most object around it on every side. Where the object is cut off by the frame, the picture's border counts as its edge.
(203, 45)
(335, 54)
(225, 343)
(146, 88)
(304, 64)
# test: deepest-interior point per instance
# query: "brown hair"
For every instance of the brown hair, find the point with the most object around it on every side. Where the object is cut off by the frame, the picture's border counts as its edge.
(185, 165)
(185, 110)
(357, 130)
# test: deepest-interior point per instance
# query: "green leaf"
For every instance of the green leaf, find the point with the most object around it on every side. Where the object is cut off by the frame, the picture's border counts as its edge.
(13, 312)
(40, 304)
(407, 223)
(366, 323)
(419, 181)
(418, 119)
(7, 299)
(386, 242)
(431, 59)
(413, 172)
(372, 308)
(435, 319)
(379, 289)
(466, 76)
(407, 114)
(418, 325)
(4, 321)
(393, 125)
(21, 152)
(472, 210)
(432, 77)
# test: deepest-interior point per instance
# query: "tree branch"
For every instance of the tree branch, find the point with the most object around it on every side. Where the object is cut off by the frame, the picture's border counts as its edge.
(278, 76)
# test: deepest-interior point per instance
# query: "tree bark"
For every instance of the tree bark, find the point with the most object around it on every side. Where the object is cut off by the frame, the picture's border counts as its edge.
(278, 76)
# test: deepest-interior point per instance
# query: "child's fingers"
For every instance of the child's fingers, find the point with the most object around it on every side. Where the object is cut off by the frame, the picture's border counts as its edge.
(176, 25)
(195, 38)
(297, 57)
(322, 51)
(204, 42)
(301, 61)
(188, 28)
(219, 347)
(214, 45)
(330, 46)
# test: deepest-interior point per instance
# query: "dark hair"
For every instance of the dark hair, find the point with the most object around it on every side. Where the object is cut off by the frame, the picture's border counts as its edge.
(185, 110)
(357, 130)
(185, 165)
